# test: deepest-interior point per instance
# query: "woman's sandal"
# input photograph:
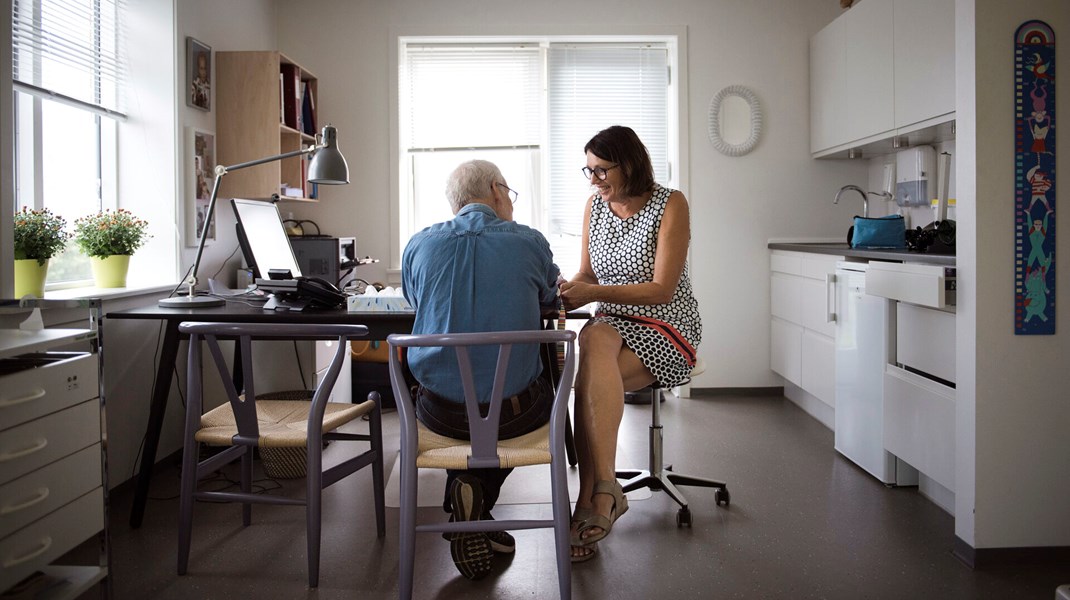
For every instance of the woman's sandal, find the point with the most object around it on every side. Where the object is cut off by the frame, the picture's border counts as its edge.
(589, 552)
(620, 506)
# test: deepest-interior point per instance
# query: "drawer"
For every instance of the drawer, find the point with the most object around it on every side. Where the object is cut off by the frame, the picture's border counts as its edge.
(40, 492)
(925, 340)
(785, 350)
(42, 441)
(818, 366)
(919, 423)
(45, 540)
(928, 285)
(38, 391)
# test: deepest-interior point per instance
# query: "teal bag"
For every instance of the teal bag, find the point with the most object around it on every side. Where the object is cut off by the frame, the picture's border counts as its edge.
(881, 232)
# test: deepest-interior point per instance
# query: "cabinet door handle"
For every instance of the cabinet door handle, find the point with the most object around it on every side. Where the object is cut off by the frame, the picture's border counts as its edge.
(830, 306)
(43, 546)
(12, 455)
(34, 395)
(38, 497)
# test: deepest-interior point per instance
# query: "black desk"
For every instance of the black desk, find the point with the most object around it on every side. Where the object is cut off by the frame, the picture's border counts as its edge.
(379, 324)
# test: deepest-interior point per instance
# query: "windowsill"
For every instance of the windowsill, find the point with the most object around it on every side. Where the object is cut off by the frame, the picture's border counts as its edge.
(130, 291)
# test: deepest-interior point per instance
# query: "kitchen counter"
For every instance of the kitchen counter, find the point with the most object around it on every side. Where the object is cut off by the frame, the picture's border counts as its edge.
(843, 249)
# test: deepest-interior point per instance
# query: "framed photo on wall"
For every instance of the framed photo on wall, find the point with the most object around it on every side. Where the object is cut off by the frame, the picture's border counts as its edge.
(198, 75)
(200, 176)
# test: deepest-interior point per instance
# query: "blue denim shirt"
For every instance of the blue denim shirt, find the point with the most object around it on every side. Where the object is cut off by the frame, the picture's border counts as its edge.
(477, 272)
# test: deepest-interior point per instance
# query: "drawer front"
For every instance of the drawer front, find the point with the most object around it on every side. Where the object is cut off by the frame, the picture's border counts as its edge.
(818, 366)
(925, 340)
(33, 393)
(919, 424)
(815, 305)
(784, 299)
(36, 494)
(45, 540)
(785, 352)
(42, 441)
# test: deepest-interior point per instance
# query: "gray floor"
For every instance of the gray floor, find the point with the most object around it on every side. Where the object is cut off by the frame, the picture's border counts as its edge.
(803, 523)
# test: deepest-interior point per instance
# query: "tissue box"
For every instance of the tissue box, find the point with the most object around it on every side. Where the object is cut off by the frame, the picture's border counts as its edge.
(377, 304)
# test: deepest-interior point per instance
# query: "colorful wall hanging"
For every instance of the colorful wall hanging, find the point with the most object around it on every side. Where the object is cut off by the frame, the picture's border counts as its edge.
(1034, 172)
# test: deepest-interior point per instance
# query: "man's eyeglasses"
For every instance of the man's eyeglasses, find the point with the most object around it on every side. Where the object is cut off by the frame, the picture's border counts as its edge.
(513, 194)
(598, 172)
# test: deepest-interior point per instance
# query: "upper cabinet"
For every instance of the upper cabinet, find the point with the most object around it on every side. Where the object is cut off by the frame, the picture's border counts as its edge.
(265, 106)
(882, 69)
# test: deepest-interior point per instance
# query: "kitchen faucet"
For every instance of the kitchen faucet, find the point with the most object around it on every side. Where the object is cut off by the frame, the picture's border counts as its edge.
(854, 188)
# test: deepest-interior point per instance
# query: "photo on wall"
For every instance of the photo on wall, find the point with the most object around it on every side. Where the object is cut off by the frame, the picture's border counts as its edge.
(200, 161)
(198, 75)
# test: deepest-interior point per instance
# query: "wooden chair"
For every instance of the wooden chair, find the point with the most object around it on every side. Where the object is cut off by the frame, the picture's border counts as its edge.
(246, 423)
(422, 449)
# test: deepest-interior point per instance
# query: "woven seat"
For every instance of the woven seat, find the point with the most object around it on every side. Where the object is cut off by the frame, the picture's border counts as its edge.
(422, 448)
(273, 425)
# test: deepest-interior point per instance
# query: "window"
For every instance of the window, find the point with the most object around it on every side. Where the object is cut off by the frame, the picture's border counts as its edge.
(529, 106)
(68, 80)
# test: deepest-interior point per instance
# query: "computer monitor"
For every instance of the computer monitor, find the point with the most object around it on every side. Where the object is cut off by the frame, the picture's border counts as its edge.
(262, 238)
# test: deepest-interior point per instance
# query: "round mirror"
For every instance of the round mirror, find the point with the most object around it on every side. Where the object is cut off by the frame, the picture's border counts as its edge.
(735, 120)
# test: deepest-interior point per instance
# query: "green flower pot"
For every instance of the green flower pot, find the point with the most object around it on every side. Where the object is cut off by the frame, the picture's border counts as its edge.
(30, 277)
(110, 271)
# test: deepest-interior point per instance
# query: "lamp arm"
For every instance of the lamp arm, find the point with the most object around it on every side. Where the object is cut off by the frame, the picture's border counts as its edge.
(220, 171)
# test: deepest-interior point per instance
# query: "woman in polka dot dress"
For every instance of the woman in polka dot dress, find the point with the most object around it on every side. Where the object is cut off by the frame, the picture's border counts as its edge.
(634, 266)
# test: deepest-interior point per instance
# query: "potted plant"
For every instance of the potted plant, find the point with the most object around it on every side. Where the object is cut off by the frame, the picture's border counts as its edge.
(39, 235)
(109, 237)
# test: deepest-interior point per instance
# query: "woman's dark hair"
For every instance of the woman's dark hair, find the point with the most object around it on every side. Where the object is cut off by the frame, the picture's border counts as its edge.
(619, 144)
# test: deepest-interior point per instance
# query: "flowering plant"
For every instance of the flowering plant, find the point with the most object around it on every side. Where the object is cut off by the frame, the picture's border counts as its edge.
(110, 232)
(39, 234)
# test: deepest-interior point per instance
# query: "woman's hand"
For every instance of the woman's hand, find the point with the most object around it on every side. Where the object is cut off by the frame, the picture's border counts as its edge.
(575, 294)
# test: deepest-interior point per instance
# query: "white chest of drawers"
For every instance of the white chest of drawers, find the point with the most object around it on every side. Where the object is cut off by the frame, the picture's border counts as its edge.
(52, 476)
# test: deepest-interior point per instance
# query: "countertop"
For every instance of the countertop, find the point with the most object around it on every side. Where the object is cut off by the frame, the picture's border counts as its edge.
(843, 249)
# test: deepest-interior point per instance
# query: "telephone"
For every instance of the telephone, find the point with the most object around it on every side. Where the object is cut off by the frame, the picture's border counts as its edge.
(300, 293)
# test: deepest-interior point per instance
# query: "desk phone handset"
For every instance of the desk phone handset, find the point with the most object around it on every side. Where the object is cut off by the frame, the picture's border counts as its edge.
(298, 293)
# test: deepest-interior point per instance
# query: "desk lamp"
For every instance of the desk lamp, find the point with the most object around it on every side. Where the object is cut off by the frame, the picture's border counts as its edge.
(328, 167)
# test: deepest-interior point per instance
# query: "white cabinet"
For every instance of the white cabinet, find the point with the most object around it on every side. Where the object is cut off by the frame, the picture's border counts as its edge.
(802, 344)
(882, 69)
(52, 481)
(924, 33)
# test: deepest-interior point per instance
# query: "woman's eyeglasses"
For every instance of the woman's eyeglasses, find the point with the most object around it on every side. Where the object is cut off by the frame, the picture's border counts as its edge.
(598, 172)
(513, 194)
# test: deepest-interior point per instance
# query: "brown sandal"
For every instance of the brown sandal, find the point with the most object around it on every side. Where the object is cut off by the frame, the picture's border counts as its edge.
(620, 506)
(590, 551)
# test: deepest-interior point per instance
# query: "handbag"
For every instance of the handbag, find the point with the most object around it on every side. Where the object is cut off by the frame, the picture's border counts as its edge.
(880, 232)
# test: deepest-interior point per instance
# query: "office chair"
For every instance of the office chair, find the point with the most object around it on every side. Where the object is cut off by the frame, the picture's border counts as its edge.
(246, 425)
(422, 449)
(660, 476)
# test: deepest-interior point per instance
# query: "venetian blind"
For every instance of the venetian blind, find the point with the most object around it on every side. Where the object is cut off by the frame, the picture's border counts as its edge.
(70, 51)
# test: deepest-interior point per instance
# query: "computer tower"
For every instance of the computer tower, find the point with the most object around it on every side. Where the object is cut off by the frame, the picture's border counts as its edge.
(323, 256)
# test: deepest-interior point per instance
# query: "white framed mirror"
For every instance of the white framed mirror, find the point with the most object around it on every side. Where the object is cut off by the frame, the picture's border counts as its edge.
(735, 120)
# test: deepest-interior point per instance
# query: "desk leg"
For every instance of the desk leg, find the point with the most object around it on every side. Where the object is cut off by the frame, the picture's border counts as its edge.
(157, 409)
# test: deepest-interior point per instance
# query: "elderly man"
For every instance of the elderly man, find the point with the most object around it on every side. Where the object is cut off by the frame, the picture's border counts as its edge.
(480, 271)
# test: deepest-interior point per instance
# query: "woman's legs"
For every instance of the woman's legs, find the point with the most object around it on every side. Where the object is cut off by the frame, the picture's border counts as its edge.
(607, 369)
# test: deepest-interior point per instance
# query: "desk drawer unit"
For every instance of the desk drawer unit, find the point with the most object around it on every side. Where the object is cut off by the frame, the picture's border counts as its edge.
(40, 492)
(41, 441)
(38, 544)
(52, 386)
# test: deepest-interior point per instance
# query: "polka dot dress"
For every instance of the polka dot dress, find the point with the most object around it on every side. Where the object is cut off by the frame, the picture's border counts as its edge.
(663, 336)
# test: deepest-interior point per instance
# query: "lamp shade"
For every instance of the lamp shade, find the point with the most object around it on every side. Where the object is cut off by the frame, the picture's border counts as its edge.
(328, 165)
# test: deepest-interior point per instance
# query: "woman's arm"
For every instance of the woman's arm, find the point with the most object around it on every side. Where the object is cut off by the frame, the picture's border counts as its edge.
(674, 237)
(586, 273)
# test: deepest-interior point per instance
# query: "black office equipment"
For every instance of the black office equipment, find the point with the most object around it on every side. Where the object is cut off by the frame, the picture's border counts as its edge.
(332, 258)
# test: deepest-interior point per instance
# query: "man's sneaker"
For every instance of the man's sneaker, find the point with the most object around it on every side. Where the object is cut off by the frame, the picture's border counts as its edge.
(471, 551)
(500, 541)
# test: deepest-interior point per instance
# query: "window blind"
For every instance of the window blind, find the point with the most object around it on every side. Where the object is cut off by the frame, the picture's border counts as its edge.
(590, 87)
(70, 51)
(466, 96)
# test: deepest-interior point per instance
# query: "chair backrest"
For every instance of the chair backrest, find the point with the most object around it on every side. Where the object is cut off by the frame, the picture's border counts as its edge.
(483, 430)
(245, 412)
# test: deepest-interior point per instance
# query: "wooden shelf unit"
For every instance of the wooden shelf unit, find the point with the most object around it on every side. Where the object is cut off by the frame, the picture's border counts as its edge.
(249, 125)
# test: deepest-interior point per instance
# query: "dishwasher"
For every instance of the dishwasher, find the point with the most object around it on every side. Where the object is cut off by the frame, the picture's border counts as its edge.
(862, 346)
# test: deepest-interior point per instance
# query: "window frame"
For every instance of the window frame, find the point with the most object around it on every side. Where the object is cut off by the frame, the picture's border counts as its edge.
(675, 39)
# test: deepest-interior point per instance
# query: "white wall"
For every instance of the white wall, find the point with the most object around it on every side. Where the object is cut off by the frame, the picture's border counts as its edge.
(1013, 449)
(738, 204)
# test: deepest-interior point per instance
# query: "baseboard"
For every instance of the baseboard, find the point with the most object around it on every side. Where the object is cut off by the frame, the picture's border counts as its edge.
(737, 391)
(981, 558)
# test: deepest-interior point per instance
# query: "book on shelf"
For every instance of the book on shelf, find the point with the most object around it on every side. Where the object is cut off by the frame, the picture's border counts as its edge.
(291, 92)
(282, 98)
(308, 110)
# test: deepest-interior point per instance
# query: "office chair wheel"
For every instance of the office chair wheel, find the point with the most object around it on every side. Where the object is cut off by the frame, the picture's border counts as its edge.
(721, 496)
(683, 517)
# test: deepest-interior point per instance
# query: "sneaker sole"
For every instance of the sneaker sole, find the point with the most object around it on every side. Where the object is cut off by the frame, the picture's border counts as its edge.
(471, 552)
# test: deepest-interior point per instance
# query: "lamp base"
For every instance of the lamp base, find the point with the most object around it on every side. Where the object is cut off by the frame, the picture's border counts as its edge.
(191, 302)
